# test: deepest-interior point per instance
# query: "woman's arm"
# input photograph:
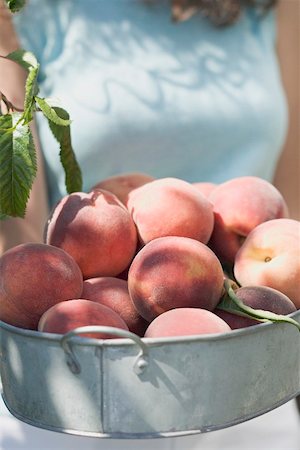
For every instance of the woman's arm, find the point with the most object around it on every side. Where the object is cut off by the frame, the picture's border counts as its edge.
(12, 80)
(287, 178)
(12, 76)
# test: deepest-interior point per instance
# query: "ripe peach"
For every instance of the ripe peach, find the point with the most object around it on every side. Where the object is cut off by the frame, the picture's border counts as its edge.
(174, 272)
(241, 204)
(122, 184)
(270, 256)
(205, 187)
(257, 297)
(66, 316)
(96, 229)
(186, 322)
(34, 277)
(170, 207)
(113, 292)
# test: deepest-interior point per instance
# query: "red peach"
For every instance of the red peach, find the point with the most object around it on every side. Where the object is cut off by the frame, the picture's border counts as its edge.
(257, 297)
(270, 256)
(170, 207)
(173, 272)
(96, 229)
(186, 322)
(66, 316)
(122, 184)
(241, 204)
(205, 187)
(113, 292)
(34, 277)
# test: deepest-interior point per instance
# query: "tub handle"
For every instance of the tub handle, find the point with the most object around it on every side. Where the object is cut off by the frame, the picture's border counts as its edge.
(73, 363)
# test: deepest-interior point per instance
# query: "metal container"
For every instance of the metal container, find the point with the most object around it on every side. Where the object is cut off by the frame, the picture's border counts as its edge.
(147, 388)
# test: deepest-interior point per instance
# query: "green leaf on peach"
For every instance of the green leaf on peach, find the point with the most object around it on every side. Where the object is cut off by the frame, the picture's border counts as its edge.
(231, 303)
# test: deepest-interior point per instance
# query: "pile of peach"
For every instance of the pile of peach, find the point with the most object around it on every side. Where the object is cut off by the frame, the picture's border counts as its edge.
(150, 256)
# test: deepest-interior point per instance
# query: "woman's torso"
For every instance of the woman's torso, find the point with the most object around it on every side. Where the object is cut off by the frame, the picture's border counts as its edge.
(187, 100)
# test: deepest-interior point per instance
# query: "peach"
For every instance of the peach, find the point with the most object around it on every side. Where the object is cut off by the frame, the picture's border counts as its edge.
(96, 229)
(113, 292)
(174, 272)
(170, 207)
(205, 187)
(123, 183)
(186, 322)
(34, 277)
(257, 297)
(241, 204)
(270, 256)
(66, 316)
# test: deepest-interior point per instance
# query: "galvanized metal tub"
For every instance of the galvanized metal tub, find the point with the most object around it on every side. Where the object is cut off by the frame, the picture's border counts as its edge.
(147, 388)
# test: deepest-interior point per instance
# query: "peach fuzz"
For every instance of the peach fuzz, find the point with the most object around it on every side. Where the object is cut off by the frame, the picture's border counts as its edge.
(257, 297)
(113, 292)
(241, 204)
(170, 207)
(174, 272)
(66, 316)
(186, 322)
(270, 256)
(96, 229)
(34, 277)
(123, 183)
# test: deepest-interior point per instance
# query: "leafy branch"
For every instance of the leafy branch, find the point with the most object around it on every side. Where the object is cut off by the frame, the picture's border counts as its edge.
(18, 166)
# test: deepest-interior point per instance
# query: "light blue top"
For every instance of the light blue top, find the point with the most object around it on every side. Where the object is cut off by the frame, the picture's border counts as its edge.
(187, 100)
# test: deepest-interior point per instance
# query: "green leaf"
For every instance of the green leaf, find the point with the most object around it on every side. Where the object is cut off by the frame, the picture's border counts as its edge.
(29, 62)
(73, 177)
(31, 90)
(15, 5)
(231, 303)
(50, 113)
(25, 59)
(18, 165)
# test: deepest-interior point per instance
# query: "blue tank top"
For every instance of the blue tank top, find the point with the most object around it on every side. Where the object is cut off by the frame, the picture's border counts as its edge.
(187, 100)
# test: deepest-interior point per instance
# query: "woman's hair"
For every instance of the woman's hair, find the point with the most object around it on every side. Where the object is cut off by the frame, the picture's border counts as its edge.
(220, 12)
